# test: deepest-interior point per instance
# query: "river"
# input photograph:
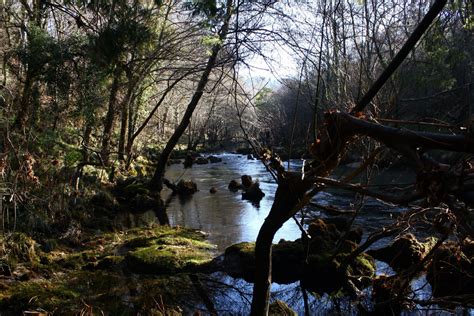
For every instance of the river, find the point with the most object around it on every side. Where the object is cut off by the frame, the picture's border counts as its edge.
(227, 219)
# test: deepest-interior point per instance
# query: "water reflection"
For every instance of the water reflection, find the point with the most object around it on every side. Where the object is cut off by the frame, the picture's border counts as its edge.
(224, 215)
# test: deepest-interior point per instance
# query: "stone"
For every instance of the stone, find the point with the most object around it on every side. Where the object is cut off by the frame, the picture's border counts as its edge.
(212, 190)
(188, 161)
(404, 252)
(234, 186)
(104, 199)
(201, 161)
(451, 271)
(246, 181)
(186, 187)
(315, 265)
(253, 193)
(281, 309)
(214, 159)
(167, 254)
(144, 202)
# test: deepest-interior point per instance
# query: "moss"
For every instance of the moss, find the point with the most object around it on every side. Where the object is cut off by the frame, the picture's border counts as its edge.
(163, 258)
(362, 270)
(136, 188)
(280, 308)
(69, 278)
(244, 248)
(19, 248)
(38, 294)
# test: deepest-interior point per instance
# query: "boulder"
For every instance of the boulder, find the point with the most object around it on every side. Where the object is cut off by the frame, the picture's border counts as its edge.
(212, 190)
(104, 199)
(281, 309)
(316, 265)
(287, 261)
(250, 157)
(234, 186)
(201, 161)
(168, 253)
(214, 159)
(144, 202)
(404, 252)
(451, 272)
(251, 189)
(253, 193)
(186, 187)
(246, 181)
(188, 161)
(127, 188)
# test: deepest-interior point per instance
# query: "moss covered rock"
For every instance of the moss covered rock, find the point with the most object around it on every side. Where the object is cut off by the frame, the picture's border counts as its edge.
(169, 253)
(18, 247)
(317, 265)
(451, 271)
(280, 308)
(404, 252)
(95, 276)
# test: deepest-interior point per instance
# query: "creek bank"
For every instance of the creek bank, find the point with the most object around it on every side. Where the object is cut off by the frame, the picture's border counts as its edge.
(117, 272)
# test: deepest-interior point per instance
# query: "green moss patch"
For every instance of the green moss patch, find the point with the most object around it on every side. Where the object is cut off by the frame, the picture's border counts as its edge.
(169, 254)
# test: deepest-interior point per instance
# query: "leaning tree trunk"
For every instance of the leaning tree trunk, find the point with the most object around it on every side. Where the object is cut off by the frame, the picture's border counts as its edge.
(156, 183)
(289, 192)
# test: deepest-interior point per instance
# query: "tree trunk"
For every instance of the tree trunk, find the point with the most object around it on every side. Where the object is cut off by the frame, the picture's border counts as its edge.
(127, 101)
(156, 183)
(22, 115)
(110, 117)
(289, 192)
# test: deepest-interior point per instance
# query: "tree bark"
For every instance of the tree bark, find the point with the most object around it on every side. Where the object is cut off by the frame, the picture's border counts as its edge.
(110, 117)
(290, 191)
(124, 118)
(156, 183)
(24, 103)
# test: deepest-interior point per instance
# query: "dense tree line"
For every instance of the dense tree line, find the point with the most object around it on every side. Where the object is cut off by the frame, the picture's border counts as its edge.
(349, 43)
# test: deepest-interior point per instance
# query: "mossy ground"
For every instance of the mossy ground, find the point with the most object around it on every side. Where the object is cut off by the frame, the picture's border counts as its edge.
(104, 273)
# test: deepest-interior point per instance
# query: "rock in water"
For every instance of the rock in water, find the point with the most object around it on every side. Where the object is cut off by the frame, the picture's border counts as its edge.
(201, 161)
(213, 190)
(246, 181)
(253, 193)
(186, 187)
(188, 161)
(451, 272)
(214, 159)
(404, 252)
(234, 186)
